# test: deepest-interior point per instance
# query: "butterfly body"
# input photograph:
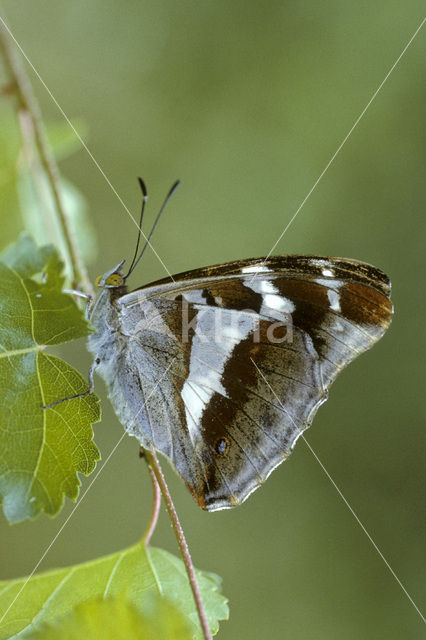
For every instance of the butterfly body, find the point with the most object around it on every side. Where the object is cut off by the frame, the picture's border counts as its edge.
(222, 368)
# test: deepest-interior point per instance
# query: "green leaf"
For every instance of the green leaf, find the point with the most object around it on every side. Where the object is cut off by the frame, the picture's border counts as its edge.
(41, 451)
(137, 573)
(26, 199)
(62, 138)
(114, 618)
(25, 257)
(40, 218)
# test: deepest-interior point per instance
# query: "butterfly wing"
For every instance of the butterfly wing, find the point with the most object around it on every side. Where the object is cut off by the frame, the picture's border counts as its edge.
(233, 361)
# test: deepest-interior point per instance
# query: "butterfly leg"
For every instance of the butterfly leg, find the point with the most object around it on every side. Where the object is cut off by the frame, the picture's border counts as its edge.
(78, 395)
(85, 296)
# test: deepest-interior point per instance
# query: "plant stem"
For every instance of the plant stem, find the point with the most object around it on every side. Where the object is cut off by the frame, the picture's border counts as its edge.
(28, 104)
(156, 501)
(180, 537)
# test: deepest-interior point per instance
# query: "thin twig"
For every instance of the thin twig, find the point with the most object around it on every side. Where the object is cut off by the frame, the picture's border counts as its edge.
(156, 501)
(28, 103)
(180, 537)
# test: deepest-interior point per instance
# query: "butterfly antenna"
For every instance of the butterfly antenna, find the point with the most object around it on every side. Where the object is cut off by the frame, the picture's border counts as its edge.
(163, 206)
(144, 200)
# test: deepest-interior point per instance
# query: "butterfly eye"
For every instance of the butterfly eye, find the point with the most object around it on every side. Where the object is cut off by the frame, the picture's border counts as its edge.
(98, 281)
(114, 280)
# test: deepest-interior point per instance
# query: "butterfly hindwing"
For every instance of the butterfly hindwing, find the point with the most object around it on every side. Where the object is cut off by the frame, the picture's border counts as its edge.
(228, 364)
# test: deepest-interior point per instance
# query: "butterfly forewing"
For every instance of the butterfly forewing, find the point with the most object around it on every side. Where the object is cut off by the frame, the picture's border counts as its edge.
(228, 364)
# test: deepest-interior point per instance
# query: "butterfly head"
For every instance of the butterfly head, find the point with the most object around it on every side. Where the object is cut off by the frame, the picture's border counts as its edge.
(112, 279)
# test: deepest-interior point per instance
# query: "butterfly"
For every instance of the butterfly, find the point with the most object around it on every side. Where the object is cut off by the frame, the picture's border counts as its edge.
(222, 368)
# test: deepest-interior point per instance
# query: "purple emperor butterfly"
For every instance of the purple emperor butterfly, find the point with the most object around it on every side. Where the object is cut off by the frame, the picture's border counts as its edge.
(190, 362)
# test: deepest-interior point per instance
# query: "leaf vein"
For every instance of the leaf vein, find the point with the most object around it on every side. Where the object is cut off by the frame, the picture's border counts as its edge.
(112, 573)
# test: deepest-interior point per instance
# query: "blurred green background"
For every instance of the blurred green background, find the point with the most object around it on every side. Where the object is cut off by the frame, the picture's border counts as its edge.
(246, 102)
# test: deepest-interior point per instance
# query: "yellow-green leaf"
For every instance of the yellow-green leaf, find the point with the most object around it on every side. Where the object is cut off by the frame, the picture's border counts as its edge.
(41, 451)
(114, 618)
(137, 574)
